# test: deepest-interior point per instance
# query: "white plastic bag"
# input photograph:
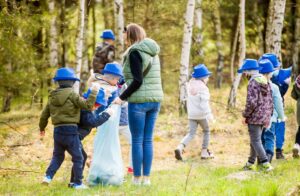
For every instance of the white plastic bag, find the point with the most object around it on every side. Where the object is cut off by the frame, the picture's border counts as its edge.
(107, 163)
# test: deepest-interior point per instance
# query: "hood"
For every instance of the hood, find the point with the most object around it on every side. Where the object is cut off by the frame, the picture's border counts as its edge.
(263, 84)
(59, 96)
(148, 46)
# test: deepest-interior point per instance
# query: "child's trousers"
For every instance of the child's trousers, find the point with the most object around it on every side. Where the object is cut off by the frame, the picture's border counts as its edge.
(256, 147)
(66, 142)
(193, 125)
(268, 139)
(84, 155)
(280, 133)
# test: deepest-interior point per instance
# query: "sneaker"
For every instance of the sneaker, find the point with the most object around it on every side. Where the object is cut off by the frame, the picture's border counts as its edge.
(205, 154)
(136, 182)
(178, 154)
(79, 186)
(267, 167)
(71, 184)
(147, 182)
(296, 150)
(279, 154)
(129, 170)
(46, 180)
(249, 166)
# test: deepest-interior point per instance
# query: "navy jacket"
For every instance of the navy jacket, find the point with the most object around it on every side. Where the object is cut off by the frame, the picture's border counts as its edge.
(89, 120)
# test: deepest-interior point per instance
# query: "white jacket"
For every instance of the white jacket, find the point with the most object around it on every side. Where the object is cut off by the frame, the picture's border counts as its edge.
(198, 100)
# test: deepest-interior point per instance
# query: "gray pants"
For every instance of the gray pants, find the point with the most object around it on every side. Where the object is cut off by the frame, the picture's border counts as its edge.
(256, 147)
(193, 124)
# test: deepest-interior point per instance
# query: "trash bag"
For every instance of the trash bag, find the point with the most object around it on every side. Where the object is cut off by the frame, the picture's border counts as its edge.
(107, 164)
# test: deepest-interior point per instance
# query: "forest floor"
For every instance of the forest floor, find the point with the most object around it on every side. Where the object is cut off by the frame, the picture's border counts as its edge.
(24, 158)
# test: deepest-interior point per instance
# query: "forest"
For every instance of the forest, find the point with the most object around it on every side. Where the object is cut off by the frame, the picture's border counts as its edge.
(39, 36)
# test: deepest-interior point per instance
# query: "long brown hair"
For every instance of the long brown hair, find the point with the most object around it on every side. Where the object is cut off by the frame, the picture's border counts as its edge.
(135, 33)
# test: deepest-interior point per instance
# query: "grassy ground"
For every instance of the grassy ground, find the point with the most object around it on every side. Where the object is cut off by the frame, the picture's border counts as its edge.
(24, 158)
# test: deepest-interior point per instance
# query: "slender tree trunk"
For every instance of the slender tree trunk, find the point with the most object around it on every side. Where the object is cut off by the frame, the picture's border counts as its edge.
(80, 41)
(242, 54)
(274, 30)
(105, 13)
(185, 54)
(94, 25)
(53, 58)
(147, 19)
(197, 34)
(259, 30)
(63, 26)
(233, 49)
(7, 98)
(119, 21)
(296, 42)
(218, 30)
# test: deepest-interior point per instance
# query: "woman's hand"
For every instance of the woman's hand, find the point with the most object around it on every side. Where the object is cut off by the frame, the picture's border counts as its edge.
(117, 101)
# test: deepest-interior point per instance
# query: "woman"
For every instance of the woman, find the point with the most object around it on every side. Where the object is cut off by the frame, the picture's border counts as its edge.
(144, 94)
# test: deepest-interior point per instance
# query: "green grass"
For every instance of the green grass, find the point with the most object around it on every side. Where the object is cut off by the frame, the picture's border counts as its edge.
(203, 180)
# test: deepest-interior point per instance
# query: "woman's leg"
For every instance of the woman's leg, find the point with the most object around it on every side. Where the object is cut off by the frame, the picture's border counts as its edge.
(150, 120)
(136, 117)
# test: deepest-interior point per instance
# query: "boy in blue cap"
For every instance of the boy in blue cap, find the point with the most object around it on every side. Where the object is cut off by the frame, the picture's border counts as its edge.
(282, 78)
(105, 51)
(199, 112)
(257, 113)
(89, 120)
(64, 109)
(268, 136)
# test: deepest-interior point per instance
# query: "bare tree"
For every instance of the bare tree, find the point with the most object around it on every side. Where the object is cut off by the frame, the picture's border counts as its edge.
(197, 33)
(274, 27)
(242, 54)
(53, 57)
(185, 53)
(80, 41)
(218, 30)
(233, 49)
(119, 21)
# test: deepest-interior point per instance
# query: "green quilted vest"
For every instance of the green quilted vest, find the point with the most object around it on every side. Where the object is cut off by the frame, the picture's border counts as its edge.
(151, 89)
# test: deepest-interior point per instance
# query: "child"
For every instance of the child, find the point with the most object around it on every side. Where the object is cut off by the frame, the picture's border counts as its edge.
(199, 111)
(89, 120)
(281, 78)
(257, 113)
(296, 96)
(64, 109)
(105, 51)
(268, 136)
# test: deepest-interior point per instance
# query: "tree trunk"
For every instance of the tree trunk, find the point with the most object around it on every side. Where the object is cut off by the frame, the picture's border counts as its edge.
(185, 54)
(63, 26)
(242, 54)
(274, 31)
(296, 42)
(197, 34)
(80, 41)
(105, 14)
(259, 30)
(53, 58)
(119, 21)
(233, 50)
(217, 23)
(94, 26)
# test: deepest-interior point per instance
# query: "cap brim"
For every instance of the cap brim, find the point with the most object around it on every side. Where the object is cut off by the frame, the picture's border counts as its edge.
(112, 73)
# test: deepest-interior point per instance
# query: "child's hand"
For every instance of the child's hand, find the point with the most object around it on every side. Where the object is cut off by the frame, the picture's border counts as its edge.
(110, 111)
(42, 135)
(95, 87)
(244, 121)
(118, 101)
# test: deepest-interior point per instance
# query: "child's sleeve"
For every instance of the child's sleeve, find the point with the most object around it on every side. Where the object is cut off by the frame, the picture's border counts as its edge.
(294, 93)
(44, 118)
(252, 99)
(100, 119)
(86, 104)
(278, 103)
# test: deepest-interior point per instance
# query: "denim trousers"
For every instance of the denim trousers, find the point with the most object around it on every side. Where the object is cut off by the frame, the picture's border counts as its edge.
(268, 139)
(142, 117)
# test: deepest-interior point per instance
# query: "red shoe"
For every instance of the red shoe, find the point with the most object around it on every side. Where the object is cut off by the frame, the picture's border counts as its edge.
(129, 170)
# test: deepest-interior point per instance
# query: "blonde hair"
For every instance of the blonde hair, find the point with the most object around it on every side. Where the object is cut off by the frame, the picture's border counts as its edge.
(135, 33)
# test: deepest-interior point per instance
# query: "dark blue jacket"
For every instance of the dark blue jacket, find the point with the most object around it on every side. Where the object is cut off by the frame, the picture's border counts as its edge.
(89, 120)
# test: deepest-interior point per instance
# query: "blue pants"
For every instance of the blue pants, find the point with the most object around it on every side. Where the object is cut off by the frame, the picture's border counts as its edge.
(280, 133)
(84, 155)
(142, 117)
(72, 145)
(268, 139)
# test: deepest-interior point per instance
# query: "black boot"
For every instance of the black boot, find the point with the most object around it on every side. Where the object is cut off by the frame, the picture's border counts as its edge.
(270, 157)
(279, 154)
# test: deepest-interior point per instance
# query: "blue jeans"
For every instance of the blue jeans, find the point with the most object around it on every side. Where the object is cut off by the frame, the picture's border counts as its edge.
(268, 139)
(72, 145)
(279, 133)
(142, 117)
